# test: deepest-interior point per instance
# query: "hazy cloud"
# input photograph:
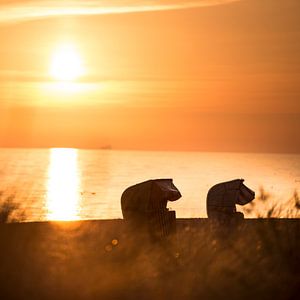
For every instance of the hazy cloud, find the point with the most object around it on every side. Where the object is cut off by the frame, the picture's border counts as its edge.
(16, 11)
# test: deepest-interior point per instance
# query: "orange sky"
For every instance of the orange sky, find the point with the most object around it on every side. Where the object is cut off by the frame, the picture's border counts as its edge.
(213, 77)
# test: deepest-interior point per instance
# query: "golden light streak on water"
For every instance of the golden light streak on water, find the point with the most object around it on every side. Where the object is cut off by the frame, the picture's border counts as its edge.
(63, 196)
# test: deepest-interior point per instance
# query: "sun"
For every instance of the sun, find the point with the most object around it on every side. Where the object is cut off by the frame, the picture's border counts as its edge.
(66, 63)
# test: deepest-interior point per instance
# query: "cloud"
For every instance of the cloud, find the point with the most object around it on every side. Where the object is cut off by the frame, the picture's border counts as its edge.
(17, 11)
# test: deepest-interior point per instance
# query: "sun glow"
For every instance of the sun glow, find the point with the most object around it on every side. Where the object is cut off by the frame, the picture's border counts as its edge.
(66, 64)
(63, 196)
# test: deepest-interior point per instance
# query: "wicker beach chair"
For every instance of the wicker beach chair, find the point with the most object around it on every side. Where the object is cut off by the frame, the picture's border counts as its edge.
(144, 206)
(222, 198)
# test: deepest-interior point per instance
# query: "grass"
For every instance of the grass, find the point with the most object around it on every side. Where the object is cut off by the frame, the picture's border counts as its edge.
(264, 206)
(257, 259)
(104, 260)
(10, 210)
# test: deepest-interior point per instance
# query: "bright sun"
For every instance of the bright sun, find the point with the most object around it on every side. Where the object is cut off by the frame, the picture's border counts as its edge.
(66, 64)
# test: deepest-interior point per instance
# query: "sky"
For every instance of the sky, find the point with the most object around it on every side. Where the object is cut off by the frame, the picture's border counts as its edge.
(157, 75)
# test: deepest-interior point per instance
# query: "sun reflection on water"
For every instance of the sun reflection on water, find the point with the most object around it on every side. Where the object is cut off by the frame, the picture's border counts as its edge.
(63, 197)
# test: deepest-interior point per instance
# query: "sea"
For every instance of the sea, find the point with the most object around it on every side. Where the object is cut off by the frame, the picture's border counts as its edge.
(72, 184)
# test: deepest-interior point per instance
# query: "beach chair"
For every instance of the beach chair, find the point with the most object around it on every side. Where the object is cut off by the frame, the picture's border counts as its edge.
(144, 207)
(222, 198)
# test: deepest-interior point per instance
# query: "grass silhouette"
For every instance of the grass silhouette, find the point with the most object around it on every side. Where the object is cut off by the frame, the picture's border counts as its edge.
(265, 206)
(10, 210)
(256, 259)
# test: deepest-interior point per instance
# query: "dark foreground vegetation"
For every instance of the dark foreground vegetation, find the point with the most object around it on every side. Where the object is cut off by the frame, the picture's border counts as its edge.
(260, 259)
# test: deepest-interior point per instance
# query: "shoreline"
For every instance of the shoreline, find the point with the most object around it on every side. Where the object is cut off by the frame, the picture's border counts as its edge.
(179, 221)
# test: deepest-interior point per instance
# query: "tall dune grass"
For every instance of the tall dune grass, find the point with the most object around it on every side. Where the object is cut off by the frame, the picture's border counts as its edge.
(255, 259)
(10, 210)
(265, 206)
(259, 259)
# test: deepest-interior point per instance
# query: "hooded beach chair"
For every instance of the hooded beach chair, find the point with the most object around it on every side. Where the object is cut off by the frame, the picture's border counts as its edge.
(144, 206)
(222, 198)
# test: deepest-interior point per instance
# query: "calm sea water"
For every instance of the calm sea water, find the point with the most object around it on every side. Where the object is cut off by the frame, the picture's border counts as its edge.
(67, 184)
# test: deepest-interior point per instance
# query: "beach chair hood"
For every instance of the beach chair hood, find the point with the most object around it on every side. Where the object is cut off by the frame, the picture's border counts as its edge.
(149, 196)
(227, 194)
